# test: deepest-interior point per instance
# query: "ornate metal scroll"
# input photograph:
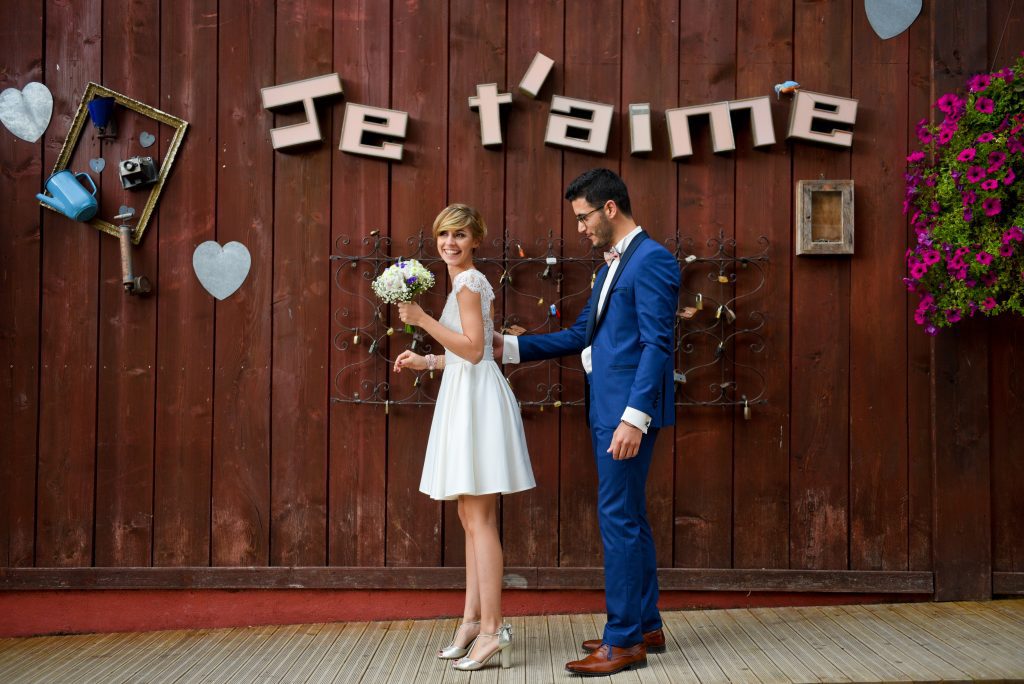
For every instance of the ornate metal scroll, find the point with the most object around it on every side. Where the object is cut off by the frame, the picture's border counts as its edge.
(540, 290)
(713, 322)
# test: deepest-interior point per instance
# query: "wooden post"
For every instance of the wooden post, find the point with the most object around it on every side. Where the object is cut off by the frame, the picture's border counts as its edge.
(962, 529)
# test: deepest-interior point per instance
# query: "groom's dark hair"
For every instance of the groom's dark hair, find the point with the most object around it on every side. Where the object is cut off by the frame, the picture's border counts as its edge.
(597, 186)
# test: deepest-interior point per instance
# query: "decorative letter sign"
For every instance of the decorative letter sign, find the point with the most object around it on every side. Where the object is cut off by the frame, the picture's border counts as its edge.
(299, 91)
(598, 125)
(679, 128)
(760, 118)
(808, 106)
(489, 102)
(577, 124)
(536, 74)
(640, 128)
(360, 119)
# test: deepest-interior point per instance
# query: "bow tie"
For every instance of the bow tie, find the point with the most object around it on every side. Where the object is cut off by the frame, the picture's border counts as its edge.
(611, 256)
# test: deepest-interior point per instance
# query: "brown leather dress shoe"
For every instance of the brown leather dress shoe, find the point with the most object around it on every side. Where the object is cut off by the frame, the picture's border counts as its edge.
(653, 640)
(607, 660)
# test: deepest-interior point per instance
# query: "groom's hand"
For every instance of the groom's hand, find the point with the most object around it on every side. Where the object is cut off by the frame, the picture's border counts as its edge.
(625, 441)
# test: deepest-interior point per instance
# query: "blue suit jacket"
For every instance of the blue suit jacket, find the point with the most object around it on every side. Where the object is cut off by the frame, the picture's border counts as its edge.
(632, 341)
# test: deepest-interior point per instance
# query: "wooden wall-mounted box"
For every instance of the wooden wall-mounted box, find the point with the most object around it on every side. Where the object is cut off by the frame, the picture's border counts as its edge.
(824, 217)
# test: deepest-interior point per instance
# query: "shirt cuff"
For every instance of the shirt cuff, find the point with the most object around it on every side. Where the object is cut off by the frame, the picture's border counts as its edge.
(637, 419)
(510, 349)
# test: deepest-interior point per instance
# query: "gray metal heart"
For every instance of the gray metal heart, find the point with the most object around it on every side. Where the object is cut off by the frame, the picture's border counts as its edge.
(26, 112)
(221, 270)
(890, 18)
(97, 164)
(124, 209)
(146, 139)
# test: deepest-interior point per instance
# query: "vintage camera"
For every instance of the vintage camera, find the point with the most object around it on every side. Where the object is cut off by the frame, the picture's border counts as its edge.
(136, 172)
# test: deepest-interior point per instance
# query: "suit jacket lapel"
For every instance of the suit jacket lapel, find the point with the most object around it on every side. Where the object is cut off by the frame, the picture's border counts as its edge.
(623, 260)
(595, 296)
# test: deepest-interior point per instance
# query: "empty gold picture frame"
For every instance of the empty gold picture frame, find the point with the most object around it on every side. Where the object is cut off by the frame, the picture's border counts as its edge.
(75, 133)
(824, 217)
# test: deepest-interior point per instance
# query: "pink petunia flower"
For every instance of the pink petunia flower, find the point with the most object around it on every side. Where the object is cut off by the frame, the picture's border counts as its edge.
(944, 136)
(986, 137)
(992, 206)
(984, 105)
(949, 103)
(978, 82)
(1010, 177)
(995, 160)
(1006, 250)
(923, 134)
(915, 156)
(988, 304)
(975, 174)
(968, 216)
(931, 256)
(967, 155)
(918, 270)
(970, 197)
(953, 315)
(983, 258)
(990, 184)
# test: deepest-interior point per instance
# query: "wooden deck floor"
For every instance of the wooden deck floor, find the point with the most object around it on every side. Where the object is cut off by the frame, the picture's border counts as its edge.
(919, 642)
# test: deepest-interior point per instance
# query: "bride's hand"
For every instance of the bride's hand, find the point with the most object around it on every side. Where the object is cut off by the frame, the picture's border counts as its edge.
(410, 359)
(411, 313)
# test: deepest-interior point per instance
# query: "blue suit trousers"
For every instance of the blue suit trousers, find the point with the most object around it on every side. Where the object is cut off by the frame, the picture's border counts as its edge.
(630, 566)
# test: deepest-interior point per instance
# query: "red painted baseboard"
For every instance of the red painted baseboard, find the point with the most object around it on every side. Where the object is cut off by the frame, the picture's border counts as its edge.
(27, 613)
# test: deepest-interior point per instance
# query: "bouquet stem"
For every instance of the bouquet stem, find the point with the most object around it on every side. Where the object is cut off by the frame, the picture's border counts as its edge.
(409, 329)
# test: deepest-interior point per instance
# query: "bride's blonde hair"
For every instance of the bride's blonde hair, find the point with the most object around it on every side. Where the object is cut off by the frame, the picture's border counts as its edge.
(461, 216)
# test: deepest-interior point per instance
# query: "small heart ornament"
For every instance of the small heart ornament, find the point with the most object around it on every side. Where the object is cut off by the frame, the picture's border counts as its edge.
(890, 18)
(125, 209)
(221, 270)
(97, 165)
(146, 139)
(26, 112)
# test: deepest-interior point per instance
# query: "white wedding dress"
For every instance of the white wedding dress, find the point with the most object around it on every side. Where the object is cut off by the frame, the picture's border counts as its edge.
(476, 443)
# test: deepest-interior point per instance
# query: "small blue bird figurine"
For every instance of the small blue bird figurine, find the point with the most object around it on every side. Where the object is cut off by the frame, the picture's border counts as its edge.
(786, 87)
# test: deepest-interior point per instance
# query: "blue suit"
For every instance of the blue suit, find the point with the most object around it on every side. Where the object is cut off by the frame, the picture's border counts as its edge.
(632, 352)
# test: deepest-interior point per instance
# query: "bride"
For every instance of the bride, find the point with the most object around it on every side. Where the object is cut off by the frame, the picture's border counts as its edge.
(476, 449)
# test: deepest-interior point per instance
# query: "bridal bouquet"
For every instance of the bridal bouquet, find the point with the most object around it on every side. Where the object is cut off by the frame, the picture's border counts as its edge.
(403, 281)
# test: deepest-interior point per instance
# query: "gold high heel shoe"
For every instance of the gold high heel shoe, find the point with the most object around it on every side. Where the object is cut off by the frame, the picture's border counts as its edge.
(504, 636)
(451, 651)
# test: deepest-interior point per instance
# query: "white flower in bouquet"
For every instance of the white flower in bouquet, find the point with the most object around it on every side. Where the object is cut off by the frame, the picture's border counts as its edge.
(403, 281)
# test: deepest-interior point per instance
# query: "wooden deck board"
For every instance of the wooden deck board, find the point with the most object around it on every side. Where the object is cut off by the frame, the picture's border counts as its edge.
(763, 667)
(919, 642)
(875, 662)
(681, 636)
(930, 643)
(823, 669)
(924, 663)
(772, 647)
(995, 617)
(725, 655)
(828, 649)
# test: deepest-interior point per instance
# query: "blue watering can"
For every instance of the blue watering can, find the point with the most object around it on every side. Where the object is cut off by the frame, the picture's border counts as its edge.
(69, 197)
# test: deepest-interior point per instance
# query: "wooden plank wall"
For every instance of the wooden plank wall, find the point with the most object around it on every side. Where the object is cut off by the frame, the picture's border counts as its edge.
(177, 431)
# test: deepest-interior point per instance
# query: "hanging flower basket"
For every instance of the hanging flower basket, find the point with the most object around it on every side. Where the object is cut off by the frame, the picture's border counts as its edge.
(965, 189)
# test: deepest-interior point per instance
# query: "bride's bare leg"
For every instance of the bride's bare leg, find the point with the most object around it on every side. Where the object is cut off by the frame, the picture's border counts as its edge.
(471, 612)
(483, 549)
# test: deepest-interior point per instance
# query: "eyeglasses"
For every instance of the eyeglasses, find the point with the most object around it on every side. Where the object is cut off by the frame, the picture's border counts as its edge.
(582, 218)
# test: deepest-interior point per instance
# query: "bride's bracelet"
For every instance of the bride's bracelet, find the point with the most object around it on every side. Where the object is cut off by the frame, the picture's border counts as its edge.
(431, 362)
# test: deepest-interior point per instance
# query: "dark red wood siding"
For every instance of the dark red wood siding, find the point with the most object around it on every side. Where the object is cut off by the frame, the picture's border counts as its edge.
(181, 431)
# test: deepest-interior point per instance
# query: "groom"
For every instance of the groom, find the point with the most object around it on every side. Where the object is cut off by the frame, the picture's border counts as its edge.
(624, 337)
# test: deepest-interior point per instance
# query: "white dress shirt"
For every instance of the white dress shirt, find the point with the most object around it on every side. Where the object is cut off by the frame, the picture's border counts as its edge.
(510, 353)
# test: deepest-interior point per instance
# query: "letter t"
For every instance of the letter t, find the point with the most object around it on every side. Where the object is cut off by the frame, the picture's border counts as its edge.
(488, 102)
